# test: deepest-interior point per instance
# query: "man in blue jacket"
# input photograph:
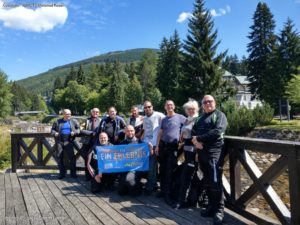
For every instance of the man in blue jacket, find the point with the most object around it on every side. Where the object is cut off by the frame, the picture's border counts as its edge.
(208, 137)
(64, 131)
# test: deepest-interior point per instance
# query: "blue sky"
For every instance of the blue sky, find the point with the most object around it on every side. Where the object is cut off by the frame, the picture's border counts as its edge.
(41, 35)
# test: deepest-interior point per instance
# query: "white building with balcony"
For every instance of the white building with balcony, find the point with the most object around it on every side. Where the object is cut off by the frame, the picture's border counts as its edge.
(243, 96)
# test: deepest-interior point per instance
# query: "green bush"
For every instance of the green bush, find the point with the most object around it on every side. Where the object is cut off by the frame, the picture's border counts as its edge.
(263, 115)
(242, 120)
(4, 147)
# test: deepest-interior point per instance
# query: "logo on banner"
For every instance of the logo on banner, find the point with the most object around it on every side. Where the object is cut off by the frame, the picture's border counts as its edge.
(123, 158)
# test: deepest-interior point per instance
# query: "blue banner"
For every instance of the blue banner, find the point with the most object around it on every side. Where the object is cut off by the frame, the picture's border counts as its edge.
(123, 158)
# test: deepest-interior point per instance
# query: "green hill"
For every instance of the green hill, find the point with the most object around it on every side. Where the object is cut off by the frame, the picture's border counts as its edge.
(43, 83)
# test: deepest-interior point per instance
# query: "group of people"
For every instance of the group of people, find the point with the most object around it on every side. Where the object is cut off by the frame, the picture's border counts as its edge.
(186, 152)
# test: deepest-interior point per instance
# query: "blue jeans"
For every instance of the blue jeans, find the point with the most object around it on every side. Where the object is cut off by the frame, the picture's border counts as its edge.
(151, 184)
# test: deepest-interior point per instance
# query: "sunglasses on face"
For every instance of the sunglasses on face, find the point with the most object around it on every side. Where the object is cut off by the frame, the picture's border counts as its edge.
(147, 107)
(208, 101)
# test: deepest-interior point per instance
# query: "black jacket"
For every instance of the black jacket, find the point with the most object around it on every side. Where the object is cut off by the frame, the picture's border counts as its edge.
(210, 129)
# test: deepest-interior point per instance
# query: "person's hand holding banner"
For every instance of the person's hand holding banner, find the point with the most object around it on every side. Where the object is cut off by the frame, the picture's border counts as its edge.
(151, 148)
(98, 177)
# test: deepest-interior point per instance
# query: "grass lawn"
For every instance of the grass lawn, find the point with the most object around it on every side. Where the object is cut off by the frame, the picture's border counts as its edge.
(284, 125)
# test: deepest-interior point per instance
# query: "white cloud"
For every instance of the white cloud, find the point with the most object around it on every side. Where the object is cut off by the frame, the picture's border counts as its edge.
(221, 11)
(41, 19)
(184, 16)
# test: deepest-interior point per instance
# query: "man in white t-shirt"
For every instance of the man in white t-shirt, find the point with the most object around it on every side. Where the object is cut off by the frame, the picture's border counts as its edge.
(151, 126)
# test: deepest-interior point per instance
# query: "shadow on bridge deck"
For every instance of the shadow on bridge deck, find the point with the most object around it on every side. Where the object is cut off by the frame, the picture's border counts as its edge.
(27, 198)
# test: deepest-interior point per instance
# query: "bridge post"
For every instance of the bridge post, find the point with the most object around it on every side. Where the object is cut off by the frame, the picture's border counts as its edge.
(294, 185)
(15, 153)
(40, 151)
(235, 174)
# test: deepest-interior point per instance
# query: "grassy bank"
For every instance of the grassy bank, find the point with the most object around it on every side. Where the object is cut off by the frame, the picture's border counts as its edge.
(4, 147)
(293, 125)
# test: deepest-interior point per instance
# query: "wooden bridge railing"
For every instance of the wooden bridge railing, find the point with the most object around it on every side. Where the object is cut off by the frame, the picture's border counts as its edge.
(289, 159)
(21, 150)
(39, 151)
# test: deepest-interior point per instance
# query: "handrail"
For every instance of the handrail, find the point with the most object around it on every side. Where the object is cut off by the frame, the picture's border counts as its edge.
(289, 159)
(238, 156)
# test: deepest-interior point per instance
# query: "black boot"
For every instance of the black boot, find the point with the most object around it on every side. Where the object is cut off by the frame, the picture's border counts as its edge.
(218, 217)
(208, 212)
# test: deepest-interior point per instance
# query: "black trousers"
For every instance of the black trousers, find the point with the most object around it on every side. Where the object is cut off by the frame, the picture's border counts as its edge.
(129, 183)
(107, 181)
(66, 148)
(168, 164)
(211, 163)
(188, 170)
(85, 152)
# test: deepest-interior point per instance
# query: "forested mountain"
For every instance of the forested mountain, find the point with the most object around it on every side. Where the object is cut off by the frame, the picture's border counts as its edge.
(43, 83)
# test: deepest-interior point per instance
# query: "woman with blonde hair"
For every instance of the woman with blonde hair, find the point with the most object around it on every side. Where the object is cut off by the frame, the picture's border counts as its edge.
(189, 165)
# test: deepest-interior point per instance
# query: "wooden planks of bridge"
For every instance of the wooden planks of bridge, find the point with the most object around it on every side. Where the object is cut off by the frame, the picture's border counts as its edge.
(42, 199)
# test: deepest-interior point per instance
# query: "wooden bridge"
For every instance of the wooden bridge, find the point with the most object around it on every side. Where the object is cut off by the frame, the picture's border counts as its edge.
(42, 199)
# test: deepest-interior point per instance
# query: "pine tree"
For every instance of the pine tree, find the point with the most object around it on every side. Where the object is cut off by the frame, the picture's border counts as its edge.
(288, 54)
(21, 100)
(201, 64)
(261, 50)
(148, 72)
(5, 95)
(93, 78)
(292, 89)
(169, 67)
(131, 70)
(80, 76)
(244, 66)
(232, 64)
(58, 84)
(117, 87)
(71, 76)
(133, 93)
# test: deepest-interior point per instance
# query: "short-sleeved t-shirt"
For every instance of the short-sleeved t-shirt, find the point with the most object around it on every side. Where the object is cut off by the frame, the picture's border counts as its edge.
(151, 127)
(171, 126)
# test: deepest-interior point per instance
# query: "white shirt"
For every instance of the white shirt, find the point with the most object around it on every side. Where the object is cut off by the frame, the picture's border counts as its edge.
(151, 127)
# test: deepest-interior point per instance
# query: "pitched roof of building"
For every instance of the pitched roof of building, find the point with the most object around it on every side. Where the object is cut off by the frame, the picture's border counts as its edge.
(242, 79)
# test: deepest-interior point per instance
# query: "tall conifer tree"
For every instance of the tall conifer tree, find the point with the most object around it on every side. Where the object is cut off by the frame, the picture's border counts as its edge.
(148, 72)
(288, 53)
(117, 86)
(169, 67)
(202, 73)
(71, 76)
(58, 84)
(80, 76)
(261, 51)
